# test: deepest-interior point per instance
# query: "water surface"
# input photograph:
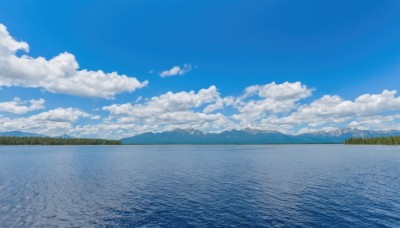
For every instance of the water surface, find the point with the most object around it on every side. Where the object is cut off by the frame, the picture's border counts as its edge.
(263, 185)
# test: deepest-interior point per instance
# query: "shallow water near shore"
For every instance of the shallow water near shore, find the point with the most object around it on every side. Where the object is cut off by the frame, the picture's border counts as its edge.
(193, 185)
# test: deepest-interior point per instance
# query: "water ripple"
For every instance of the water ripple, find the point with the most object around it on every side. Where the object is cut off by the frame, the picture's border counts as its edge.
(200, 186)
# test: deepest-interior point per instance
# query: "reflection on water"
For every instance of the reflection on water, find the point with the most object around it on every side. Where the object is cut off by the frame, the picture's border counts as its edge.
(272, 185)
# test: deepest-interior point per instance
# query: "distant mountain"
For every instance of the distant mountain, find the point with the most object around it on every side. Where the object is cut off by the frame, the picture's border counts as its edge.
(64, 136)
(252, 136)
(20, 134)
(27, 134)
(340, 135)
(177, 136)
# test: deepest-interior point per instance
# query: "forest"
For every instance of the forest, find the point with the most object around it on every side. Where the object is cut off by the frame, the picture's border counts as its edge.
(13, 140)
(392, 140)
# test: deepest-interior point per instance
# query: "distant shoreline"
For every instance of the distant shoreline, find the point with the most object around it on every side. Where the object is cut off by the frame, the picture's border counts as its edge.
(49, 141)
(389, 141)
(270, 144)
(171, 144)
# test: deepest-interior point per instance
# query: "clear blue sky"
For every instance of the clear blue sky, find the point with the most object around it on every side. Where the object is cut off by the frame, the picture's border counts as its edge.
(343, 48)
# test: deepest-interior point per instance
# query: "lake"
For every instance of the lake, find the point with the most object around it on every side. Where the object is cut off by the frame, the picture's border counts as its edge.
(200, 186)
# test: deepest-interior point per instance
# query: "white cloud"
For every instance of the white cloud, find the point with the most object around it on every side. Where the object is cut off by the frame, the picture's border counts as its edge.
(96, 117)
(17, 106)
(169, 102)
(170, 111)
(60, 74)
(219, 104)
(176, 70)
(53, 122)
(259, 101)
(279, 92)
(377, 122)
(333, 109)
(68, 115)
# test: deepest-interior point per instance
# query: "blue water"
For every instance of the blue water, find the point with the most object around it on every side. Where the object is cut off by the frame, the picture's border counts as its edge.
(201, 186)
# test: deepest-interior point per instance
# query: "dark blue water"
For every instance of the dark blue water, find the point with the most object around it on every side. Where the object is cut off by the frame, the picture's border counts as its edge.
(202, 186)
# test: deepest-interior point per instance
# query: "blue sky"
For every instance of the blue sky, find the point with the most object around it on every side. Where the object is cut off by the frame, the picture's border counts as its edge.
(321, 55)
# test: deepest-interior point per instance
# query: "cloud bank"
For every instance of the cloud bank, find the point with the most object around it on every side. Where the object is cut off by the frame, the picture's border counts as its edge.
(270, 106)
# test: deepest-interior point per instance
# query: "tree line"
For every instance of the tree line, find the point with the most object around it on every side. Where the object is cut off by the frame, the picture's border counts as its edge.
(392, 140)
(13, 140)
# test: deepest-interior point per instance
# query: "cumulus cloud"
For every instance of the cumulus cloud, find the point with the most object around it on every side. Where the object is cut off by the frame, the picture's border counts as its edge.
(171, 110)
(176, 71)
(53, 122)
(18, 106)
(59, 74)
(377, 122)
(219, 104)
(68, 115)
(169, 102)
(279, 92)
(333, 109)
(259, 101)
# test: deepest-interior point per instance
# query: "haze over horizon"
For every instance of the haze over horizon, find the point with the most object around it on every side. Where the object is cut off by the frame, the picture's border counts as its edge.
(66, 68)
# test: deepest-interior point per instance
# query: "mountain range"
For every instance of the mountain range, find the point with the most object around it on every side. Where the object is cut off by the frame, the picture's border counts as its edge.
(253, 136)
(20, 134)
(244, 136)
